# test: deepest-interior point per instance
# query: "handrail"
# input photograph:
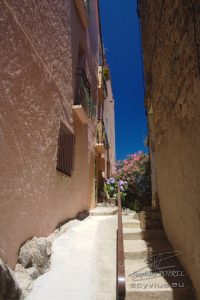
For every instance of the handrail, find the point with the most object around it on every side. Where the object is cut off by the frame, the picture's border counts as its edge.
(121, 283)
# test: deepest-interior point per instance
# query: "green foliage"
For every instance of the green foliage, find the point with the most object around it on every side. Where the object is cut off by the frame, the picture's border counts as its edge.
(106, 73)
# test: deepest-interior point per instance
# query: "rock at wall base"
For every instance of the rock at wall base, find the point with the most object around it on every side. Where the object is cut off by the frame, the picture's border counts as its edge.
(36, 253)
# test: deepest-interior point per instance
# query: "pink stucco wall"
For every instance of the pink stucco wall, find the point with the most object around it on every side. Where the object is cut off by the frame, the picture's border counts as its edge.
(39, 43)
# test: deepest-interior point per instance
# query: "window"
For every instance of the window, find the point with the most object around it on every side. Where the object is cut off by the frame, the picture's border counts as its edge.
(65, 154)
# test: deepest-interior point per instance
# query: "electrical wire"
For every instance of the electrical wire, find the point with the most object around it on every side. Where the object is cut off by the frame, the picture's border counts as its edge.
(131, 123)
(195, 35)
(141, 49)
(157, 33)
(135, 104)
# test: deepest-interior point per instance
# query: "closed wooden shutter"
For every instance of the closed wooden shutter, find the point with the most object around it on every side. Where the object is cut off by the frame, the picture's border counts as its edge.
(65, 154)
(108, 169)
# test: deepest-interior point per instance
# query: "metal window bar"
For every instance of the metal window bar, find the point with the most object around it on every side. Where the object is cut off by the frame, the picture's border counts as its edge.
(65, 154)
(83, 94)
(88, 8)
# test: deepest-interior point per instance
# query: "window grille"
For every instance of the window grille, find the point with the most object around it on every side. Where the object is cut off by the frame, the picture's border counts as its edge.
(65, 154)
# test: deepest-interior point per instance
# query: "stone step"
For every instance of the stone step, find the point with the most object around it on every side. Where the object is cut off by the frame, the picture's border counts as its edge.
(103, 211)
(130, 223)
(138, 233)
(136, 216)
(169, 284)
(132, 233)
(131, 214)
(141, 249)
(149, 209)
(151, 224)
(151, 219)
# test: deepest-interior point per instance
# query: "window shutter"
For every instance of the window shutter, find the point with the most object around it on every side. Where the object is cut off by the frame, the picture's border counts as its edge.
(108, 169)
(65, 154)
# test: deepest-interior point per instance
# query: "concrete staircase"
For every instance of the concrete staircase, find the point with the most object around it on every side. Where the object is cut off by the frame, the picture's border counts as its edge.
(152, 270)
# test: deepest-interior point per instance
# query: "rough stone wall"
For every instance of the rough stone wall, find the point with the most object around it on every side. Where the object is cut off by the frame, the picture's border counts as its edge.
(173, 87)
(39, 43)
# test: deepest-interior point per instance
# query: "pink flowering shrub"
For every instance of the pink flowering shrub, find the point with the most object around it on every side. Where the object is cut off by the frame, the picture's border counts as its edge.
(135, 170)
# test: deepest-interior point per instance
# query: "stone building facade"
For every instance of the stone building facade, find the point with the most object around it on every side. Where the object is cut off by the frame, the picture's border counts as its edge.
(109, 121)
(50, 97)
(171, 39)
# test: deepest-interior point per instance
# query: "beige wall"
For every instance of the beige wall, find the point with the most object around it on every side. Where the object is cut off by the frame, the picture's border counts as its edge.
(39, 51)
(173, 86)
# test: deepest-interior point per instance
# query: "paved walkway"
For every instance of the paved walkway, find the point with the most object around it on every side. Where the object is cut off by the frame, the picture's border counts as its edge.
(83, 263)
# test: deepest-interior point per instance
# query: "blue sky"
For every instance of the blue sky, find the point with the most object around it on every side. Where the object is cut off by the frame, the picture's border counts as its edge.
(121, 40)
